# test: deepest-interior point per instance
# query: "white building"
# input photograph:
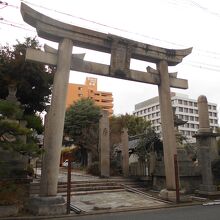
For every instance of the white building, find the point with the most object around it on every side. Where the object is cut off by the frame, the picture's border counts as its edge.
(185, 109)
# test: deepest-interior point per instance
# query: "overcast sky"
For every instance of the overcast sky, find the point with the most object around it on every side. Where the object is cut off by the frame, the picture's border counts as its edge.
(172, 24)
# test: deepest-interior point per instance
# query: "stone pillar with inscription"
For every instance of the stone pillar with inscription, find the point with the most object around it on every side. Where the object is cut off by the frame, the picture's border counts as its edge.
(125, 152)
(104, 145)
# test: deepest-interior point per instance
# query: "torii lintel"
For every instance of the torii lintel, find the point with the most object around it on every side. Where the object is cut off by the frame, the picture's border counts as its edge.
(125, 49)
(78, 64)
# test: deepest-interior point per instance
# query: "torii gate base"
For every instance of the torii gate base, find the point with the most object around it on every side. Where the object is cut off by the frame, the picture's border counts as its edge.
(39, 205)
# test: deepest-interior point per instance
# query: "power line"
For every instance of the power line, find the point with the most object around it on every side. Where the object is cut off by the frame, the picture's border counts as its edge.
(123, 30)
(15, 25)
(195, 64)
(203, 8)
(120, 29)
(202, 67)
(6, 4)
(101, 24)
(191, 3)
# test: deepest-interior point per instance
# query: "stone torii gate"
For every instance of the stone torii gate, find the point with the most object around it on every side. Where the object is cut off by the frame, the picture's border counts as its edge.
(121, 50)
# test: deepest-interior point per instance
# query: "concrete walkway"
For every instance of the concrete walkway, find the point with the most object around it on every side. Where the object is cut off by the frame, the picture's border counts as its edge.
(115, 200)
(107, 200)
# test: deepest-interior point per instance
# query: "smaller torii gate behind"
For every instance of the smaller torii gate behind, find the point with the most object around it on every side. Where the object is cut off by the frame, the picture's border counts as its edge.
(121, 50)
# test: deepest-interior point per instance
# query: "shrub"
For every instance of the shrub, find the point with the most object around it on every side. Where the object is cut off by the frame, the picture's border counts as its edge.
(12, 193)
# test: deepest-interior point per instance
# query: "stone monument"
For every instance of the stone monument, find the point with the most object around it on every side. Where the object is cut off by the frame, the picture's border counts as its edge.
(207, 151)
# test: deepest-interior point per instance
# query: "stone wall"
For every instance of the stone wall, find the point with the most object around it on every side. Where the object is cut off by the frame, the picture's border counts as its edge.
(189, 174)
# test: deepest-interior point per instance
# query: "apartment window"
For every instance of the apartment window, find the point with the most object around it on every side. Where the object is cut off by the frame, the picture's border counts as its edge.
(186, 110)
(180, 109)
(196, 119)
(190, 104)
(215, 121)
(180, 102)
(185, 103)
(210, 114)
(214, 114)
(191, 118)
(186, 117)
(195, 111)
(190, 110)
(214, 107)
(195, 104)
(210, 107)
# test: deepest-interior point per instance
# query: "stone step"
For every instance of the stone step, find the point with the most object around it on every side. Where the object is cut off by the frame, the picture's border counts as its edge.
(93, 192)
(117, 180)
(99, 191)
(93, 188)
(94, 185)
(86, 190)
(88, 184)
(80, 186)
(77, 185)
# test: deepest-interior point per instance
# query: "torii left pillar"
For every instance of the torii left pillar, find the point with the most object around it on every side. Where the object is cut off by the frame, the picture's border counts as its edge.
(48, 203)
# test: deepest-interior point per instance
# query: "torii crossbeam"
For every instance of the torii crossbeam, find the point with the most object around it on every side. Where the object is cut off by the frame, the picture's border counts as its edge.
(122, 50)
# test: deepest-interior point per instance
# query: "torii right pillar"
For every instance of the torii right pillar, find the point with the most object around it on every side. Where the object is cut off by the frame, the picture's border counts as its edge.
(168, 131)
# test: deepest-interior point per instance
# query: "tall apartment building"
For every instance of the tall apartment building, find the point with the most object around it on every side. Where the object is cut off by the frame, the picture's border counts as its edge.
(89, 90)
(185, 109)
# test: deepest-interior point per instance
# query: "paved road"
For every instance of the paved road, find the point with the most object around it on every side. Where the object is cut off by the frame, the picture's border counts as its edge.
(183, 213)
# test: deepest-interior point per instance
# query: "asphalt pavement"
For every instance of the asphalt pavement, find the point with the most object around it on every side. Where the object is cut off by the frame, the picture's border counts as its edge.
(198, 212)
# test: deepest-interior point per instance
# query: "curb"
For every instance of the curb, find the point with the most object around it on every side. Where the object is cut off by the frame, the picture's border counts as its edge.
(100, 212)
